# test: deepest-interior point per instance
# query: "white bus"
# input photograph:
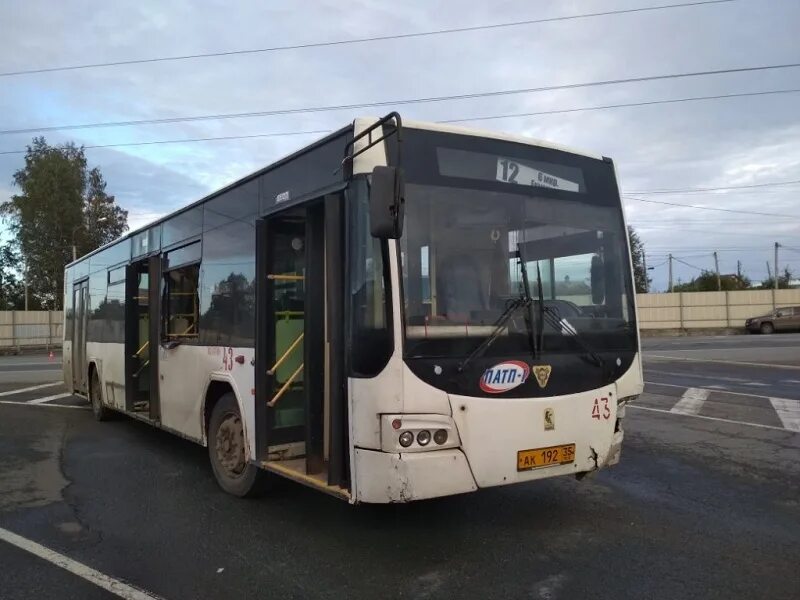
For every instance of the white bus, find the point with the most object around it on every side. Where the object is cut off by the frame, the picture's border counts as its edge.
(395, 312)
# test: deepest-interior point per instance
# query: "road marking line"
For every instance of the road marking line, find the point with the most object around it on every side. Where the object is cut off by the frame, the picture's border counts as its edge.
(666, 412)
(796, 400)
(696, 376)
(691, 402)
(115, 586)
(788, 413)
(48, 398)
(50, 405)
(39, 364)
(724, 362)
(30, 389)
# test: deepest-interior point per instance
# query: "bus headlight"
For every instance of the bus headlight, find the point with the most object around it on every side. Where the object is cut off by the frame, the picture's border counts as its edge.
(413, 433)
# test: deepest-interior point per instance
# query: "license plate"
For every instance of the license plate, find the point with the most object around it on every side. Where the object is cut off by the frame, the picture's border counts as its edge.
(545, 457)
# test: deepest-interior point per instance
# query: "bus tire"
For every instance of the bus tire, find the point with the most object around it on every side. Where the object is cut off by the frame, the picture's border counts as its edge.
(226, 450)
(101, 413)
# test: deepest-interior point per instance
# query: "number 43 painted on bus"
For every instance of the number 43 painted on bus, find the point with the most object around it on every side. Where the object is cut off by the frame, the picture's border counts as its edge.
(597, 409)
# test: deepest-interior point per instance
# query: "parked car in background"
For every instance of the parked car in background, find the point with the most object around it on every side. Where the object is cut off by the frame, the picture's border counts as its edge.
(780, 319)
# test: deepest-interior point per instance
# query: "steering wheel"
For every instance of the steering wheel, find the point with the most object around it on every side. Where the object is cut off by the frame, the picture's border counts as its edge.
(573, 310)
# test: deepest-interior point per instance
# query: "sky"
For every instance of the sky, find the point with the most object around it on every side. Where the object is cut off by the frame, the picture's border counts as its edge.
(694, 146)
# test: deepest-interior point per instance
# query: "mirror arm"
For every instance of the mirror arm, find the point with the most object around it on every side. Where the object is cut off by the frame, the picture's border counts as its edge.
(347, 161)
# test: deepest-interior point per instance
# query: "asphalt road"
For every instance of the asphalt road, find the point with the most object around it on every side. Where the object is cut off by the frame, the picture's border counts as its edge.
(705, 504)
(30, 368)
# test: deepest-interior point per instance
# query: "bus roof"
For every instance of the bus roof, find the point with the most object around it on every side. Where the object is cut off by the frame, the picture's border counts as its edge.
(358, 123)
(484, 133)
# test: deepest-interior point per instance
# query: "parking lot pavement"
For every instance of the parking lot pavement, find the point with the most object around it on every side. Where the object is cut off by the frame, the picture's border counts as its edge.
(774, 351)
(41, 367)
(704, 504)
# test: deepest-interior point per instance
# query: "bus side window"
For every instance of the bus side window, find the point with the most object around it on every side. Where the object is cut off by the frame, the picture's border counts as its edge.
(368, 287)
(182, 304)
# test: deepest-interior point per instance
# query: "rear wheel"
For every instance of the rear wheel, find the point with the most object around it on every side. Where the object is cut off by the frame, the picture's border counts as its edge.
(767, 328)
(226, 450)
(101, 413)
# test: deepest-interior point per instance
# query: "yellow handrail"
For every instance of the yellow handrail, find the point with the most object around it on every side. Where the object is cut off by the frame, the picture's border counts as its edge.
(285, 355)
(285, 386)
(289, 313)
(285, 277)
(140, 350)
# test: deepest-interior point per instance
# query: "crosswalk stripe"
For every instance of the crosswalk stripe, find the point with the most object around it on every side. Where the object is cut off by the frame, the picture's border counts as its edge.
(47, 398)
(667, 412)
(691, 402)
(788, 412)
(30, 389)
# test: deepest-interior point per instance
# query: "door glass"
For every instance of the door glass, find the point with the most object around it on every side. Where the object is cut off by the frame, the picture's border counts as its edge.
(141, 373)
(287, 274)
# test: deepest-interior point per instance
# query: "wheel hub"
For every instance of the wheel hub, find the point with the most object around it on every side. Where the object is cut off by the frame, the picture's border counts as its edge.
(230, 445)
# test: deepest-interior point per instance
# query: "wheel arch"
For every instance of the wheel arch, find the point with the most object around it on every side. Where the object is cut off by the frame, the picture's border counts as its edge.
(216, 388)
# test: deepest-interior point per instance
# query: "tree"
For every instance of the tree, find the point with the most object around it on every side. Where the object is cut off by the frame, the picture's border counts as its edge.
(707, 282)
(640, 277)
(783, 280)
(12, 287)
(62, 202)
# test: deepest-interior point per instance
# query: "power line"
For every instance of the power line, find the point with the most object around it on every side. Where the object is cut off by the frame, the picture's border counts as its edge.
(401, 102)
(207, 139)
(731, 210)
(713, 189)
(483, 118)
(357, 40)
(626, 105)
(675, 258)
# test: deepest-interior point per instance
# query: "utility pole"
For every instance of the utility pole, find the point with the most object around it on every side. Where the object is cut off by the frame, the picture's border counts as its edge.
(670, 273)
(739, 269)
(716, 268)
(777, 245)
(769, 272)
(644, 268)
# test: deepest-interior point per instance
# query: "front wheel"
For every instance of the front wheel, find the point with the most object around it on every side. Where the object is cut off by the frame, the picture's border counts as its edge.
(101, 413)
(767, 328)
(226, 450)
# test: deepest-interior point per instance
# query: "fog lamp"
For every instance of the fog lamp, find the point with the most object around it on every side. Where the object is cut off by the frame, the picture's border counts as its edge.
(406, 439)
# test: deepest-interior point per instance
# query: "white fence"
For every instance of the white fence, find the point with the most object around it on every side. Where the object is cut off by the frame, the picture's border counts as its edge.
(709, 310)
(680, 310)
(21, 328)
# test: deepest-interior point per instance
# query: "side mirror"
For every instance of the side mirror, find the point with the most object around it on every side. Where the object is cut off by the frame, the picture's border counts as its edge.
(387, 203)
(598, 280)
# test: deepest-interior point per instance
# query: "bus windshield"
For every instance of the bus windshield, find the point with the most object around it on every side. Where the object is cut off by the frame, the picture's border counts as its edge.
(462, 254)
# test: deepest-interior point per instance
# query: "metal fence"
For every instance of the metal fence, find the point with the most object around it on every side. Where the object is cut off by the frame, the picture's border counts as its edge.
(30, 328)
(709, 310)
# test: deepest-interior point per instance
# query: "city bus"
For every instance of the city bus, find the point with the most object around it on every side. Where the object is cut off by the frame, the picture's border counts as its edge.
(396, 312)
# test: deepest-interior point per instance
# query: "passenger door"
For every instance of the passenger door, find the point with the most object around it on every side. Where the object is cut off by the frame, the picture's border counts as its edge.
(80, 302)
(784, 319)
(793, 319)
(299, 368)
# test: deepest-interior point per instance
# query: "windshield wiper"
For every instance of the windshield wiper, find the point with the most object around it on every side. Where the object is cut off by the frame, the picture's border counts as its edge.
(554, 320)
(532, 322)
(512, 307)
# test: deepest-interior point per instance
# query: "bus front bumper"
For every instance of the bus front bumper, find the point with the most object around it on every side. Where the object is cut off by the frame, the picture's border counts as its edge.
(383, 477)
